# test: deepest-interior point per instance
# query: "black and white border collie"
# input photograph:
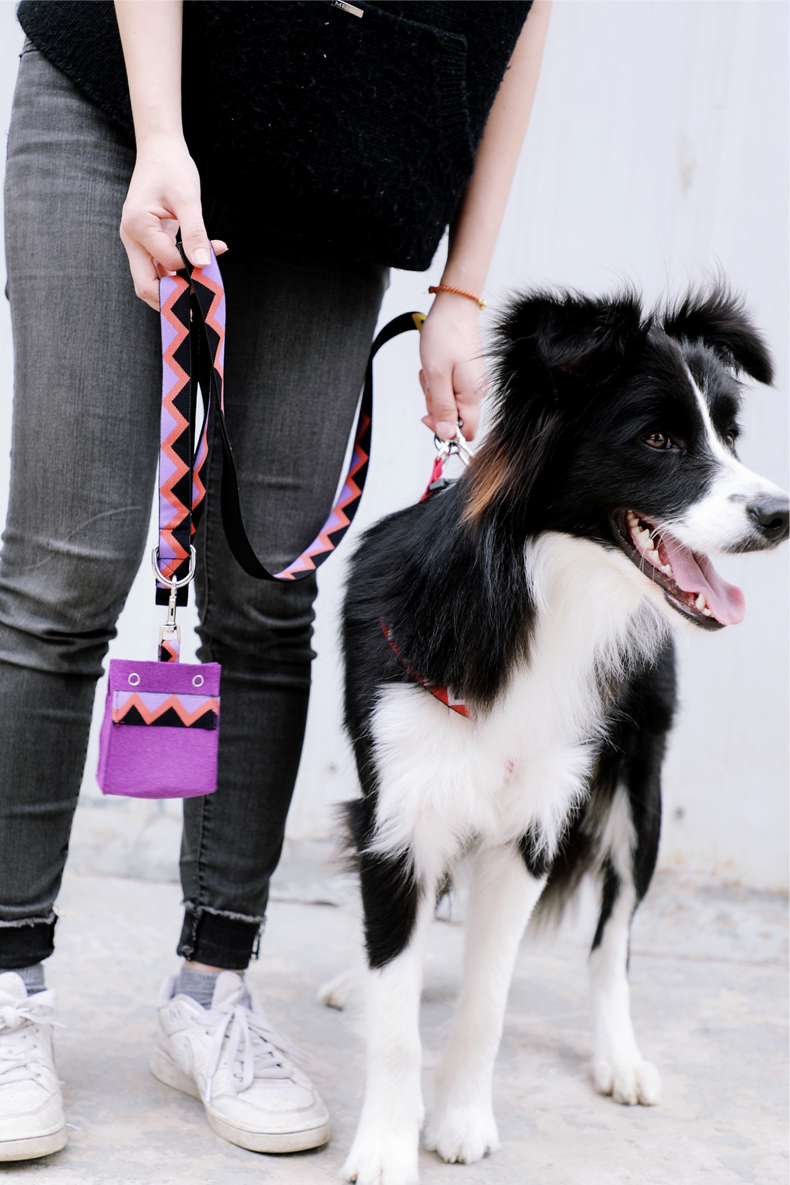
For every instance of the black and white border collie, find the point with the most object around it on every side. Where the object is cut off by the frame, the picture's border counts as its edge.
(541, 590)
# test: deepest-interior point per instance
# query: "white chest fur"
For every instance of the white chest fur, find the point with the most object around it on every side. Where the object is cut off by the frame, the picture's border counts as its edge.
(445, 780)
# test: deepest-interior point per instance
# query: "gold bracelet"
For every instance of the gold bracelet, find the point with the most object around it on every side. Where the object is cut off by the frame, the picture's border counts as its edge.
(459, 292)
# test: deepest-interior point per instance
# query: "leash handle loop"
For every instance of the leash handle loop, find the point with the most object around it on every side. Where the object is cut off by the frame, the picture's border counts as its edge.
(193, 353)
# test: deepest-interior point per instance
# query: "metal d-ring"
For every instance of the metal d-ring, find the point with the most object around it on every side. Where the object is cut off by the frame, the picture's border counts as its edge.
(174, 583)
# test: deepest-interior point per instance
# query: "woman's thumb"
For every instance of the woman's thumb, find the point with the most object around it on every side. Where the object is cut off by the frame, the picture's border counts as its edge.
(194, 238)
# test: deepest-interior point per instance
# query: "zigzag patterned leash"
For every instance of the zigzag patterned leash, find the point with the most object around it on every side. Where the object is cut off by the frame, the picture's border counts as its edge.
(193, 353)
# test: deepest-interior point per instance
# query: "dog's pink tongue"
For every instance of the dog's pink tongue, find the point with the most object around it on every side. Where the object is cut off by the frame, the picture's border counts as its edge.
(726, 602)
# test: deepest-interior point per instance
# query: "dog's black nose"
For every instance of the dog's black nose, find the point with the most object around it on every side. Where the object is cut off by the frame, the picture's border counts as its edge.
(771, 516)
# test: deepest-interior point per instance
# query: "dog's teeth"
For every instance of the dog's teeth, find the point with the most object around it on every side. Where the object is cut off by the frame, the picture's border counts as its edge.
(652, 555)
(632, 517)
(707, 613)
(666, 569)
(700, 601)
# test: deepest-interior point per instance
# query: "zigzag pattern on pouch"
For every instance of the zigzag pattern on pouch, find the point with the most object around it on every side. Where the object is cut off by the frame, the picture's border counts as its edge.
(153, 711)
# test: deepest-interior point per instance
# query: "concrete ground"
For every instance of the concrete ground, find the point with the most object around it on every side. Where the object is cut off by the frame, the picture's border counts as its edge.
(709, 991)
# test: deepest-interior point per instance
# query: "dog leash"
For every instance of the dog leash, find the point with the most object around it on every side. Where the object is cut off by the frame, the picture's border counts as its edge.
(193, 351)
(192, 316)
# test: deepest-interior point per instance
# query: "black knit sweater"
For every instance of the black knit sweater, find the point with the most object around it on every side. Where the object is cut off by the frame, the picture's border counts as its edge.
(355, 133)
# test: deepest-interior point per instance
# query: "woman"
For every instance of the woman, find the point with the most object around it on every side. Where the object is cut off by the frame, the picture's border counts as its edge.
(310, 235)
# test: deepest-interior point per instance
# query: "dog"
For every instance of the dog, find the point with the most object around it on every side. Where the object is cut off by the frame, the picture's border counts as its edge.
(510, 679)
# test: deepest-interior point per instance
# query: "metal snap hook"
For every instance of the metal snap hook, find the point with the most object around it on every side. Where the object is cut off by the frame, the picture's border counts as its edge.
(457, 447)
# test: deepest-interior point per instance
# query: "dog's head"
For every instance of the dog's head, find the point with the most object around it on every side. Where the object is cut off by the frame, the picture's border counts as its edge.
(623, 428)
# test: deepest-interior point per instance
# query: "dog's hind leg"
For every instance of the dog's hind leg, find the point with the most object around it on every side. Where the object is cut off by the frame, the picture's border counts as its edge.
(386, 1145)
(502, 895)
(618, 1066)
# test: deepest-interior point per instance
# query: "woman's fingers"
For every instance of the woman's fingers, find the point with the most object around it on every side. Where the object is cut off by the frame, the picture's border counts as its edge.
(467, 388)
(193, 233)
(150, 236)
(471, 386)
(145, 275)
(440, 400)
(146, 272)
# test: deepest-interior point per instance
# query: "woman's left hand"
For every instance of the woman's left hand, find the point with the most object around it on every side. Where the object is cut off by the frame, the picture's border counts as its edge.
(453, 374)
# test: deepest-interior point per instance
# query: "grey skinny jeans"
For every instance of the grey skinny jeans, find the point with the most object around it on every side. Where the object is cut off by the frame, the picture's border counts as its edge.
(84, 453)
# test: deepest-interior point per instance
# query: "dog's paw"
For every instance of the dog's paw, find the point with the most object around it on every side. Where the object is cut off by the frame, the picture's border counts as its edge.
(340, 992)
(628, 1080)
(382, 1159)
(462, 1135)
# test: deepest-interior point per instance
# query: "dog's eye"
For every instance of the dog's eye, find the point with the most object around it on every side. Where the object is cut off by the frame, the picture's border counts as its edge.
(730, 436)
(658, 440)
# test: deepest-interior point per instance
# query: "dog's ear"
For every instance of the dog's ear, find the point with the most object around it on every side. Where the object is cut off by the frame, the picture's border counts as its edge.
(551, 351)
(553, 340)
(717, 318)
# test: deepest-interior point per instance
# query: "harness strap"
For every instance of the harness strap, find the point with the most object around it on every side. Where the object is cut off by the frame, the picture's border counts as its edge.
(193, 353)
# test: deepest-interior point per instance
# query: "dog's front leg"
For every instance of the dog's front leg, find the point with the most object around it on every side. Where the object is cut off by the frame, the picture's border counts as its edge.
(385, 1149)
(502, 895)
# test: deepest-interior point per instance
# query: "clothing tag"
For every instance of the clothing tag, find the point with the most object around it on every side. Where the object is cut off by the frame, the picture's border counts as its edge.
(347, 7)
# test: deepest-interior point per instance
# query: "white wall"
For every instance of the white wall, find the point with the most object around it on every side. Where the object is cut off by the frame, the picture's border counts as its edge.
(657, 151)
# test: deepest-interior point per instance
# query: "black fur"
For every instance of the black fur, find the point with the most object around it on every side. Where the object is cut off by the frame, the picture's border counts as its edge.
(718, 320)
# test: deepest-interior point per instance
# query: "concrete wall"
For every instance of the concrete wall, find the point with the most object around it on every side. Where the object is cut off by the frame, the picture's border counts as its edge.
(657, 152)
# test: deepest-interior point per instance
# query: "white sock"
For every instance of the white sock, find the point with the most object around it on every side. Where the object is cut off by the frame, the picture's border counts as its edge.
(33, 978)
(199, 986)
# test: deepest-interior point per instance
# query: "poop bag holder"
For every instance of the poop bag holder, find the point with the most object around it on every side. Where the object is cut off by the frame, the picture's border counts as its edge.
(160, 733)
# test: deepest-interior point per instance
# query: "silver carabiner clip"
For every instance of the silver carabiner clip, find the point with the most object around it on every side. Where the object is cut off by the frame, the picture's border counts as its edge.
(457, 447)
(170, 629)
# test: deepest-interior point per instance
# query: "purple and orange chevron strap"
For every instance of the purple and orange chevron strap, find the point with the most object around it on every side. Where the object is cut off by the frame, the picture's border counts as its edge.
(193, 350)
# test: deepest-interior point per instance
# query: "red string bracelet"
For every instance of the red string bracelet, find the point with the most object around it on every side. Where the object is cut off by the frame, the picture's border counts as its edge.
(459, 292)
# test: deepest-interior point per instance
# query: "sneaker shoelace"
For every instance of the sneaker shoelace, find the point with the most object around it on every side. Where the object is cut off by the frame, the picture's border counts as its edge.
(255, 1048)
(20, 1056)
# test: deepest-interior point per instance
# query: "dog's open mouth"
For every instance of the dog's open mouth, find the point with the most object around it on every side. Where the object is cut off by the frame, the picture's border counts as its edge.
(690, 582)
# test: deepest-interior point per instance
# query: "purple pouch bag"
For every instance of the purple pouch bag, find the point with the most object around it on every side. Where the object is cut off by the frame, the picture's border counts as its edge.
(160, 732)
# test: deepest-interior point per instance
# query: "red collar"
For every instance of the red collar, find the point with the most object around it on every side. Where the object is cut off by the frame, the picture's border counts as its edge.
(442, 693)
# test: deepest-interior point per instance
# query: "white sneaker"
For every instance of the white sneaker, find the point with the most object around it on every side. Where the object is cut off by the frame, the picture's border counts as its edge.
(32, 1122)
(242, 1069)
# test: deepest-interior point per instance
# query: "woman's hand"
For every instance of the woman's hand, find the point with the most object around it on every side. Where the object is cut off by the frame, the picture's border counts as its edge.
(453, 374)
(164, 194)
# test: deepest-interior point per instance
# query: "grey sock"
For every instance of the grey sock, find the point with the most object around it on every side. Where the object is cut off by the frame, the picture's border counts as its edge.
(199, 985)
(33, 978)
